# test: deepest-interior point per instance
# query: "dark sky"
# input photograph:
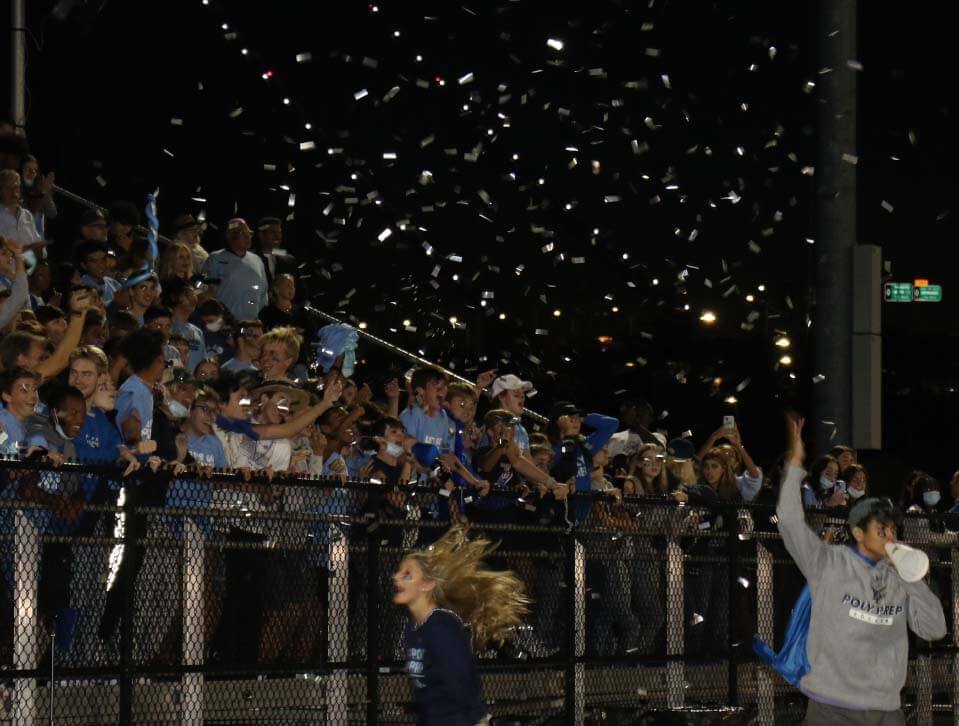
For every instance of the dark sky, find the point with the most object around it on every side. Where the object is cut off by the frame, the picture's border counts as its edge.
(690, 132)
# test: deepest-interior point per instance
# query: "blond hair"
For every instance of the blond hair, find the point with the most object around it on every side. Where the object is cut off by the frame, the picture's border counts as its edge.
(490, 602)
(168, 258)
(92, 354)
(286, 335)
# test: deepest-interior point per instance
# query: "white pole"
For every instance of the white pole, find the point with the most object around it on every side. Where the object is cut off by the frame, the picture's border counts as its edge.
(194, 633)
(338, 627)
(25, 622)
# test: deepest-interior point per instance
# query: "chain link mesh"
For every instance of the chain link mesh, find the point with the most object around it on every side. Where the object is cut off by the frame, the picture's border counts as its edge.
(223, 601)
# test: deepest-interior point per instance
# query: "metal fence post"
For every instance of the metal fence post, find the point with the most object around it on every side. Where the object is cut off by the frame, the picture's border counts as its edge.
(338, 628)
(372, 628)
(129, 597)
(955, 635)
(675, 625)
(25, 623)
(766, 689)
(194, 624)
(579, 630)
(732, 554)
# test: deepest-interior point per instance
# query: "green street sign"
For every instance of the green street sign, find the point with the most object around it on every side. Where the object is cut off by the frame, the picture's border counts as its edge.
(898, 292)
(928, 293)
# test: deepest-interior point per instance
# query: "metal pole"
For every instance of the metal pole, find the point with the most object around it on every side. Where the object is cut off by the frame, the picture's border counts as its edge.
(376, 340)
(675, 625)
(836, 217)
(26, 568)
(765, 607)
(732, 552)
(18, 64)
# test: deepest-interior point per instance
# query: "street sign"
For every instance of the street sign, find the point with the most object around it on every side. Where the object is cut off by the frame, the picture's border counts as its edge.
(898, 292)
(928, 293)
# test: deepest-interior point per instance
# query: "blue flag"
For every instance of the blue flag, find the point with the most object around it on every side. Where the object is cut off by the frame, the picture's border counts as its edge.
(790, 662)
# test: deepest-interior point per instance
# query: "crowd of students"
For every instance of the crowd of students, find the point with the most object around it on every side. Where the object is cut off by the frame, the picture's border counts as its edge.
(198, 355)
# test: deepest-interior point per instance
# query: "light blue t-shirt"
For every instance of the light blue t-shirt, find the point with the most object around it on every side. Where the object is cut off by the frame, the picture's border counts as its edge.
(242, 287)
(135, 396)
(521, 437)
(438, 429)
(12, 433)
(197, 343)
(207, 450)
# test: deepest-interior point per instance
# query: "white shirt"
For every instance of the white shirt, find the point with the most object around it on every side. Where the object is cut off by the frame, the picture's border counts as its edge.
(19, 226)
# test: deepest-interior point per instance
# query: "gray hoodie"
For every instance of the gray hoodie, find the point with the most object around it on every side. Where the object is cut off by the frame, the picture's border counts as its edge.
(857, 645)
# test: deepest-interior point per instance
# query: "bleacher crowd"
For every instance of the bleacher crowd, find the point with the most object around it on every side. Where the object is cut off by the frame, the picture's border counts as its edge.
(199, 355)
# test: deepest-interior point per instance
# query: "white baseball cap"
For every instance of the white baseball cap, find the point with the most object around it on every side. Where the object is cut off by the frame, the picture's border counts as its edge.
(509, 382)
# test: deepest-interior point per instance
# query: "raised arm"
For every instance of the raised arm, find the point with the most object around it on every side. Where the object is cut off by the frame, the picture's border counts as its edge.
(801, 542)
(294, 426)
(603, 429)
(78, 305)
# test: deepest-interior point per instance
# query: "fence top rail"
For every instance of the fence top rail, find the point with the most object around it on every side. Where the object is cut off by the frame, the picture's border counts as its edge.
(308, 498)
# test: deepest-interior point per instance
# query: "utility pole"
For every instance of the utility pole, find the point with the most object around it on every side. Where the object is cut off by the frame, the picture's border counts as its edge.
(836, 220)
(18, 64)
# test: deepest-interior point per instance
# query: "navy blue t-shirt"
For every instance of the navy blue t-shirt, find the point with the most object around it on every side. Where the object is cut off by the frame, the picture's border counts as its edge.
(446, 682)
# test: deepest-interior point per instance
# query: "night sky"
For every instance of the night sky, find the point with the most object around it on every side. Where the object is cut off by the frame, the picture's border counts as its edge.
(470, 162)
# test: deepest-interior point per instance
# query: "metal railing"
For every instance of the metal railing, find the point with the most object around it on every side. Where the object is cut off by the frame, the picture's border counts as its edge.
(217, 600)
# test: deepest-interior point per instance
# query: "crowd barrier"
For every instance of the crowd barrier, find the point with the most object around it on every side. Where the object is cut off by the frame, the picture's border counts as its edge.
(213, 600)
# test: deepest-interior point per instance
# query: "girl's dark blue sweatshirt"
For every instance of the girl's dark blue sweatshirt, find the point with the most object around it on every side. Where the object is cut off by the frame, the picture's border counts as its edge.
(446, 682)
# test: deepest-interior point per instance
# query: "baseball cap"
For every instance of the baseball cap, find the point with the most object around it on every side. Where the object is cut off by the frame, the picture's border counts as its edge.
(268, 221)
(865, 507)
(681, 449)
(564, 408)
(509, 382)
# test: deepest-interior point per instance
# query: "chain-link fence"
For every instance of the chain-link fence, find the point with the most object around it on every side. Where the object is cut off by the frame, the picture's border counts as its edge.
(162, 599)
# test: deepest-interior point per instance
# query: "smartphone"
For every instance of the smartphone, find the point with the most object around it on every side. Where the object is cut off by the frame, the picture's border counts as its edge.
(729, 423)
(840, 486)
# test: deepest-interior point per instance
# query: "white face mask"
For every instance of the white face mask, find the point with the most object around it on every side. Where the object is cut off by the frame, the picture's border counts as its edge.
(177, 409)
(393, 449)
(215, 325)
(931, 499)
(826, 483)
(855, 493)
(28, 182)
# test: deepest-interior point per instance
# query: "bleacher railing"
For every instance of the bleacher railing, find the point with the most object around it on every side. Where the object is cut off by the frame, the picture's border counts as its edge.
(205, 600)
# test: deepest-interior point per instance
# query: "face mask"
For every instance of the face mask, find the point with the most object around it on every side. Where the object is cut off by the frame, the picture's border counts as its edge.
(215, 326)
(28, 182)
(825, 483)
(393, 449)
(177, 409)
(854, 493)
(931, 499)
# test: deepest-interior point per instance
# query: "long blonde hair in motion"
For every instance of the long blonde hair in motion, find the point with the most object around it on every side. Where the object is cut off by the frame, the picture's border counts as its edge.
(490, 602)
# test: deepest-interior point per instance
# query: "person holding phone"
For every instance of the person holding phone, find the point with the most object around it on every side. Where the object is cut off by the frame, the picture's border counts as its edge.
(749, 477)
(857, 645)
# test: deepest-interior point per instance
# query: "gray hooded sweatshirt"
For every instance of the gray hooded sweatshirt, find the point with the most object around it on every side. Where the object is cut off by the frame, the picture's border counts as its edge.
(857, 645)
